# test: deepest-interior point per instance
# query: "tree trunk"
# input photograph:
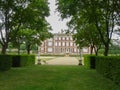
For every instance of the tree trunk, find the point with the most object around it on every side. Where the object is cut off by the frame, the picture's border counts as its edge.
(91, 49)
(106, 50)
(96, 52)
(4, 47)
(28, 49)
(18, 49)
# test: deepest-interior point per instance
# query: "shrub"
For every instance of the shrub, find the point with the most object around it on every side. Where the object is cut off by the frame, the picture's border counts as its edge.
(109, 67)
(22, 60)
(89, 61)
(5, 62)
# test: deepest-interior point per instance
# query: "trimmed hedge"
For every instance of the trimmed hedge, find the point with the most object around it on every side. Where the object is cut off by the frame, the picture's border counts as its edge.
(89, 61)
(109, 67)
(23, 60)
(5, 62)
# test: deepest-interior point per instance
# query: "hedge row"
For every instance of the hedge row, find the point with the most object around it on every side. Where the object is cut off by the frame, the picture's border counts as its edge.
(108, 66)
(5, 62)
(89, 61)
(22, 60)
(8, 61)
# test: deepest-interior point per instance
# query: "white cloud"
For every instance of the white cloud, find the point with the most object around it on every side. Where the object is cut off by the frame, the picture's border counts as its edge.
(55, 20)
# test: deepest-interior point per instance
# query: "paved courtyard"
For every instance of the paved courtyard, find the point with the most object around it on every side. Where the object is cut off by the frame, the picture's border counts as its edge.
(63, 61)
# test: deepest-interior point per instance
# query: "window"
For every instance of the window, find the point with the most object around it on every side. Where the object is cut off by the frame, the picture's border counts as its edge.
(63, 43)
(75, 50)
(49, 43)
(74, 44)
(85, 50)
(56, 44)
(67, 38)
(63, 38)
(71, 38)
(71, 50)
(59, 38)
(71, 44)
(67, 43)
(42, 49)
(50, 50)
(59, 43)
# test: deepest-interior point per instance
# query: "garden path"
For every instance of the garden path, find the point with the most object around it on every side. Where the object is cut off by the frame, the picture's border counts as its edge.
(63, 61)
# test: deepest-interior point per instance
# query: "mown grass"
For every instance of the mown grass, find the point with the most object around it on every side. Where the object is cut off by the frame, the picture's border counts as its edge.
(54, 78)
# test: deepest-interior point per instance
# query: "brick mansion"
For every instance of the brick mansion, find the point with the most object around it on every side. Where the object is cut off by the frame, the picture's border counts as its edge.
(61, 44)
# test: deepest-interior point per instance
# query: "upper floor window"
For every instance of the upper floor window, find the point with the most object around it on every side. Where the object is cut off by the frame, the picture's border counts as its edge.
(59, 38)
(63, 38)
(63, 43)
(59, 43)
(85, 50)
(56, 44)
(71, 44)
(67, 38)
(49, 43)
(71, 38)
(67, 43)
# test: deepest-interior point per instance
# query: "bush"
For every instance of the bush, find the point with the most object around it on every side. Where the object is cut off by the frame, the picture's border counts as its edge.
(89, 61)
(5, 62)
(109, 67)
(23, 60)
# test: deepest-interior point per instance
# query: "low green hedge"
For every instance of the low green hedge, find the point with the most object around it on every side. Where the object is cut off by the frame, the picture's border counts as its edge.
(109, 67)
(23, 60)
(89, 61)
(5, 62)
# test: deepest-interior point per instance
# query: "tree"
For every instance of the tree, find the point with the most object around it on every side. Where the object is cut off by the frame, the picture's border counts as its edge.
(103, 14)
(30, 38)
(20, 14)
(88, 37)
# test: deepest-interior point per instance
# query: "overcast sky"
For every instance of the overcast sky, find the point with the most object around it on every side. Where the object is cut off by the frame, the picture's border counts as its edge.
(54, 20)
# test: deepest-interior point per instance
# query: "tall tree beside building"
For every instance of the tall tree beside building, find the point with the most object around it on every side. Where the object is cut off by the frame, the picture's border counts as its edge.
(21, 14)
(103, 14)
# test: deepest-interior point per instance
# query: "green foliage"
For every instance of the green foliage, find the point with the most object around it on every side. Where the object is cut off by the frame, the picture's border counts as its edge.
(23, 15)
(22, 60)
(109, 67)
(89, 61)
(114, 49)
(103, 15)
(5, 62)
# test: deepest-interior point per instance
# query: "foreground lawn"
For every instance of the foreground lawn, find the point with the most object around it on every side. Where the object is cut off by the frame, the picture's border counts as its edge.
(54, 78)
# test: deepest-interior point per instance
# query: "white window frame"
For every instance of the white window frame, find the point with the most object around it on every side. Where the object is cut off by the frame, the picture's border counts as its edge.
(56, 44)
(50, 49)
(63, 43)
(67, 43)
(85, 50)
(59, 43)
(50, 43)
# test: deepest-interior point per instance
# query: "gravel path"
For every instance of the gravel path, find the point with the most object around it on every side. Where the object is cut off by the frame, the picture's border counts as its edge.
(63, 61)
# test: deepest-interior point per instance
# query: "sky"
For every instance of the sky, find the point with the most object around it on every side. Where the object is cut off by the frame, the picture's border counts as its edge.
(54, 18)
(57, 23)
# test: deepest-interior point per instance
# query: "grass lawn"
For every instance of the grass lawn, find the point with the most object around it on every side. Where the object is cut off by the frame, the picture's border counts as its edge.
(54, 78)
